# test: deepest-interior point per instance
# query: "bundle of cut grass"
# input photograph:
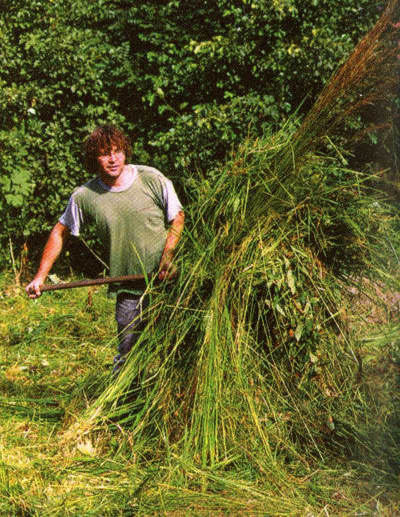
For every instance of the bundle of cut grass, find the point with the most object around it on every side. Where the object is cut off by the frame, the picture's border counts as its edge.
(248, 361)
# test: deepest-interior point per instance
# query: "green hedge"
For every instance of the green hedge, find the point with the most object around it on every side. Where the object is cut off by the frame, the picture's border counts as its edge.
(187, 80)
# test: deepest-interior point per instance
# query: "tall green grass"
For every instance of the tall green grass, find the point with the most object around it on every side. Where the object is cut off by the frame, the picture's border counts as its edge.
(256, 316)
(249, 375)
(249, 368)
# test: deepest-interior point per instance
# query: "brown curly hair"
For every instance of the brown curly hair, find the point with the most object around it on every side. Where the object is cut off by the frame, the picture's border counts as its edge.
(101, 140)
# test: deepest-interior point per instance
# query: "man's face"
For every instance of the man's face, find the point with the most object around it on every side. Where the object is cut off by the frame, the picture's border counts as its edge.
(111, 164)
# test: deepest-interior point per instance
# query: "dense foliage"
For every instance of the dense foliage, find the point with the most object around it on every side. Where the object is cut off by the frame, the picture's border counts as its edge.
(187, 81)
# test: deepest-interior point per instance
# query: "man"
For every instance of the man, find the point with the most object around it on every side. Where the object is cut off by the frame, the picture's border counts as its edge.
(131, 207)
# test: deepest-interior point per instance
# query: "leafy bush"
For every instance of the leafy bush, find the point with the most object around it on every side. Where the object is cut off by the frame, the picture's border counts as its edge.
(187, 81)
(53, 92)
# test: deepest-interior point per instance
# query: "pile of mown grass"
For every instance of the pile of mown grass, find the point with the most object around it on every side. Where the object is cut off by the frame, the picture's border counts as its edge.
(248, 367)
(248, 361)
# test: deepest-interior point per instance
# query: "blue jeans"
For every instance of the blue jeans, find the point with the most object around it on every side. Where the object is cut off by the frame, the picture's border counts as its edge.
(130, 322)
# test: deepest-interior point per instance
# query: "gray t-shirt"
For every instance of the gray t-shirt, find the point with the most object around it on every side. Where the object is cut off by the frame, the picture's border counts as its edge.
(131, 221)
(73, 217)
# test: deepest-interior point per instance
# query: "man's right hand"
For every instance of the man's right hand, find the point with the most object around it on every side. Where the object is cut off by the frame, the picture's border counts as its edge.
(50, 253)
(33, 289)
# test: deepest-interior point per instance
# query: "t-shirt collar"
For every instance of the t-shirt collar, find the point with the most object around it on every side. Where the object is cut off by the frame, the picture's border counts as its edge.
(125, 187)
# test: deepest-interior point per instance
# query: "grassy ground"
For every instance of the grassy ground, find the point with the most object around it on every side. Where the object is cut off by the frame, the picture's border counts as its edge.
(55, 360)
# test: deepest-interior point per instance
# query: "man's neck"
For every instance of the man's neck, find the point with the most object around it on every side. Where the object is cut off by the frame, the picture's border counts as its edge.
(122, 181)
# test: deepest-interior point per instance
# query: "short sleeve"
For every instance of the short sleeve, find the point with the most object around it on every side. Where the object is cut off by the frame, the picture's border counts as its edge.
(72, 217)
(172, 205)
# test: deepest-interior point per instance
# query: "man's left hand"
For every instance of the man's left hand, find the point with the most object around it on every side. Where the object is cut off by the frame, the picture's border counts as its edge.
(168, 270)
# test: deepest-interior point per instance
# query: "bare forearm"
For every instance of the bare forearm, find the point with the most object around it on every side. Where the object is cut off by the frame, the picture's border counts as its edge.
(173, 237)
(174, 233)
(52, 249)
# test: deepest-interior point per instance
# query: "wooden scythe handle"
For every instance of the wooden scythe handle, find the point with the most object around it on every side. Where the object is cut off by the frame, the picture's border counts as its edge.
(139, 279)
